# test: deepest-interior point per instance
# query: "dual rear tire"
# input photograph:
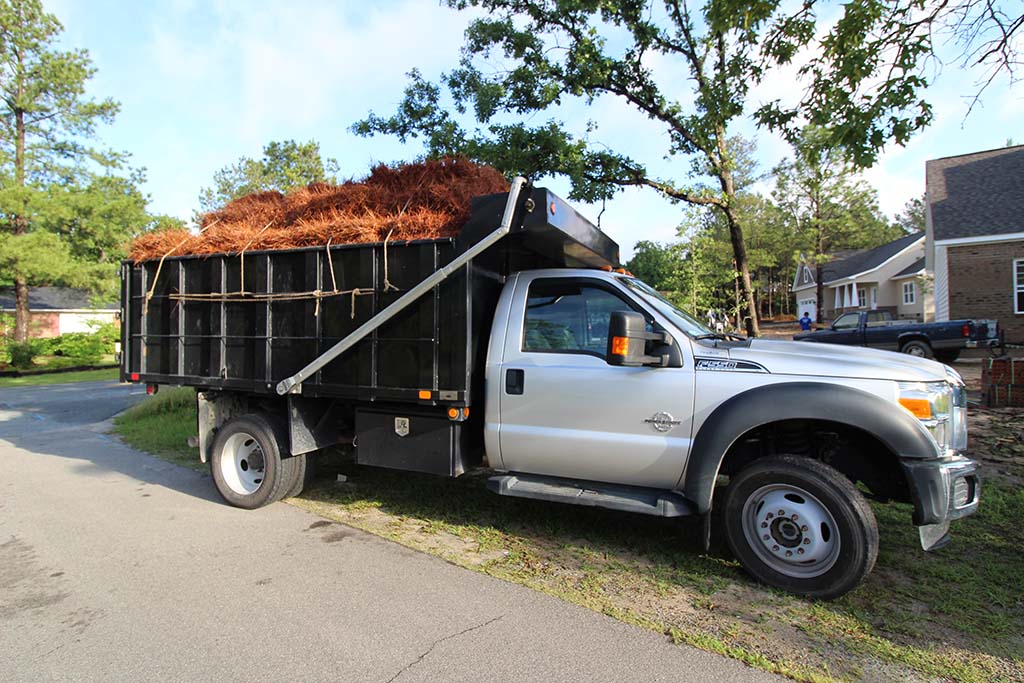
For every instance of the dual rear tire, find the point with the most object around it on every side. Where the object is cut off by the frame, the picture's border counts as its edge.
(250, 464)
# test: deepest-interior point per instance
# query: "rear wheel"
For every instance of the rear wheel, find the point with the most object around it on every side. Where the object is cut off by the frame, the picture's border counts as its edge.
(247, 464)
(921, 349)
(800, 525)
(947, 356)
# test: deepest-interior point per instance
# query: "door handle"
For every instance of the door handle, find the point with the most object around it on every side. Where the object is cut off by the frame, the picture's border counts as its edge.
(514, 382)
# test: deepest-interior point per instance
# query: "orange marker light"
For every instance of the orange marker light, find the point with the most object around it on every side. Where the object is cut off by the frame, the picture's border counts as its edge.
(453, 413)
(465, 412)
(424, 395)
(620, 346)
(919, 407)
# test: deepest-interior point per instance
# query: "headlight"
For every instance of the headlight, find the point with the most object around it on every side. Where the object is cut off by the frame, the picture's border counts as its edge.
(942, 409)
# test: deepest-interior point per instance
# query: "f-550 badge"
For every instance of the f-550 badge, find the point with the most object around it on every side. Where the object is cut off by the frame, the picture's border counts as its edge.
(662, 422)
(718, 365)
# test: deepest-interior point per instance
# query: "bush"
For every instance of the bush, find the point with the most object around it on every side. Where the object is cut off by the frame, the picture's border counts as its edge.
(22, 354)
(85, 348)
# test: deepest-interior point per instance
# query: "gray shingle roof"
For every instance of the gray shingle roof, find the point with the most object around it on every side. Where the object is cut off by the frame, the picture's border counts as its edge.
(861, 261)
(975, 195)
(913, 269)
(53, 299)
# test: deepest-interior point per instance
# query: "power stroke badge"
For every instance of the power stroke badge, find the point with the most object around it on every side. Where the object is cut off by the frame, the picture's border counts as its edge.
(662, 422)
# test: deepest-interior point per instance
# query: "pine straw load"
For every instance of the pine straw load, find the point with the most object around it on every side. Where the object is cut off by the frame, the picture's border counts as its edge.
(414, 201)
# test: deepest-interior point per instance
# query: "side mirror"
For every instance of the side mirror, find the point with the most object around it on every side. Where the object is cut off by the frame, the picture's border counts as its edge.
(627, 341)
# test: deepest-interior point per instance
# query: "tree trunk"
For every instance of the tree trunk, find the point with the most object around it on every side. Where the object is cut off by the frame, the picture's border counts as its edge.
(740, 252)
(20, 310)
(20, 222)
(819, 292)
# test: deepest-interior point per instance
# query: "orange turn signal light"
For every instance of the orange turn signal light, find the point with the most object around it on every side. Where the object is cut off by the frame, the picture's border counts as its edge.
(620, 346)
(465, 412)
(424, 395)
(919, 407)
(453, 413)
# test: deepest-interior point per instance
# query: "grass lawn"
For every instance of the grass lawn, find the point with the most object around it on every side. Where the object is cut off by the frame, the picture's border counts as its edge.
(60, 378)
(956, 614)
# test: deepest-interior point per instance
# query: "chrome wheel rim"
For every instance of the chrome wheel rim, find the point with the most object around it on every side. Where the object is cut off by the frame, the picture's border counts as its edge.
(243, 464)
(791, 531)
(915, 350)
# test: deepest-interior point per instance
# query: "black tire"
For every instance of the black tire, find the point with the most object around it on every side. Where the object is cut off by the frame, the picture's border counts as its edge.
(262, 482)
(301, 474)
(916, 347)
(947, 356)
(844, 537)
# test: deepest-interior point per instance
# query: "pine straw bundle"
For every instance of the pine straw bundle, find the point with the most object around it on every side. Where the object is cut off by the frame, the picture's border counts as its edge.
(414, 201)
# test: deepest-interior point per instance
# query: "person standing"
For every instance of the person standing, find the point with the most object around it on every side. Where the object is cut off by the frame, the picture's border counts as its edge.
(805, 322)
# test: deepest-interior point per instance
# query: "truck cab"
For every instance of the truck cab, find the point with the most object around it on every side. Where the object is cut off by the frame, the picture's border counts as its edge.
(788, 433)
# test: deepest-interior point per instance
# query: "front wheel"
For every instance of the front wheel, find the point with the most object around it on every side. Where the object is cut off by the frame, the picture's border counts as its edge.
(800, 525)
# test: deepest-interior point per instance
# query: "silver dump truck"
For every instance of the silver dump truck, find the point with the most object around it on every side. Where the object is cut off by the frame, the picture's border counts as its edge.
(520, 345)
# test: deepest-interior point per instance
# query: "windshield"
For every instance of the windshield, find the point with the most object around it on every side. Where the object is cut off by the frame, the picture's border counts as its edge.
(680, 318)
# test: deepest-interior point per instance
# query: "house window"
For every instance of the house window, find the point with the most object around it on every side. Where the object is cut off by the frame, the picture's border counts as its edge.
(862, 298)
(807, 276)
(909, 293)
(1018, 282)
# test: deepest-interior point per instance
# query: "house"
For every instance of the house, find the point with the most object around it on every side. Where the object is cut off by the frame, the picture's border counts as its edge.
(886, 278)
(974, 213)
(58, 310)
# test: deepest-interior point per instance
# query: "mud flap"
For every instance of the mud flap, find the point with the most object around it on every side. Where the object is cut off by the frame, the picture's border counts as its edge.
(934, 536)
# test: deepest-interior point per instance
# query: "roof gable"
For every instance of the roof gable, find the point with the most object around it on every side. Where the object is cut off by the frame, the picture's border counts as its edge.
(863, 261)
(976, 195)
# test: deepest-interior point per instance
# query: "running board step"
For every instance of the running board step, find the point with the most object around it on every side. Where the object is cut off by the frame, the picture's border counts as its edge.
(646, 501)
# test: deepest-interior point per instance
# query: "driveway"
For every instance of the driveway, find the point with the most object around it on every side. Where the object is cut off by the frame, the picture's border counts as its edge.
(116, 565)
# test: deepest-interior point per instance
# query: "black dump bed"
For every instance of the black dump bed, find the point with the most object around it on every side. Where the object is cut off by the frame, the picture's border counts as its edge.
(247, 321)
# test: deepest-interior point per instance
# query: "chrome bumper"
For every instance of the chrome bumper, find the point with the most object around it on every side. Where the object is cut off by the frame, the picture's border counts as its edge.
(943, 490)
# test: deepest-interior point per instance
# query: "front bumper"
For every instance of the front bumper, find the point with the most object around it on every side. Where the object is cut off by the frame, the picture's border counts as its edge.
(942, 490)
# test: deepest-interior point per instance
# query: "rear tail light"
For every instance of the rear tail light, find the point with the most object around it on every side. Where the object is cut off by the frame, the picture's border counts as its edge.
(967, 330)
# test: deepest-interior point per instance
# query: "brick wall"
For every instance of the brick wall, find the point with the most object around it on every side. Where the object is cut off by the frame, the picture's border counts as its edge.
(981, 284)
(1002, 381)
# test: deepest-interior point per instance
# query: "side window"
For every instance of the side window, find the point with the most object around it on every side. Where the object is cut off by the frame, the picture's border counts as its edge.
(569, 317)
(847, 321)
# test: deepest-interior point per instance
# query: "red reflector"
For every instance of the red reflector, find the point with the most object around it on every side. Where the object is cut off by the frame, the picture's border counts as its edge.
(152, 388)
(134, 377)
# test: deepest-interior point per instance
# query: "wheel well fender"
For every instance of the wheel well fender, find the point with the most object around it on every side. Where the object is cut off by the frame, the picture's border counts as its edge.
(896, 429)
(913, 336)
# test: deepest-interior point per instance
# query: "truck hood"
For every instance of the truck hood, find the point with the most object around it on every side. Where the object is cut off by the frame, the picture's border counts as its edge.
(827, 360)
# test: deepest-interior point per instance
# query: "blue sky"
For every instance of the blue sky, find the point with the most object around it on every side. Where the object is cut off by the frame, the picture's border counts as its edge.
(202, 83)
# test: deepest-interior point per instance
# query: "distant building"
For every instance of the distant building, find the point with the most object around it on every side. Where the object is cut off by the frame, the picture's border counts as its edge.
(58, 310)
(886, 278)
(975, 236)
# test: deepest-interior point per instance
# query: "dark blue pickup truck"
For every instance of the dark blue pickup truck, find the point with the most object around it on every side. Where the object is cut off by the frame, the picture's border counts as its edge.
(942, 340)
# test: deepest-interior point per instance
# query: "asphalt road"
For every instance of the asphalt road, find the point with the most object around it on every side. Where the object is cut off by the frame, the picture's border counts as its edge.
(117, 566)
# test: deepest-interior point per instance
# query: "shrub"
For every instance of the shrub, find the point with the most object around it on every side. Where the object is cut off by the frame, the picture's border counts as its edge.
(22, 354)
(83, 347)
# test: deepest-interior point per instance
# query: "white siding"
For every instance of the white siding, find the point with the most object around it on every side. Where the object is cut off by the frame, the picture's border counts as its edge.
(941, 283)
